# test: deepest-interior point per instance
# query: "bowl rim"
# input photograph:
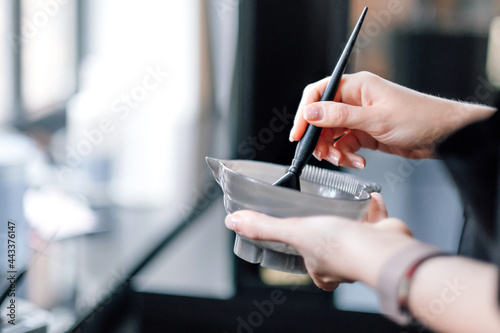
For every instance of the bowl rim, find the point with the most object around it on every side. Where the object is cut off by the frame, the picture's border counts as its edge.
(291, 191)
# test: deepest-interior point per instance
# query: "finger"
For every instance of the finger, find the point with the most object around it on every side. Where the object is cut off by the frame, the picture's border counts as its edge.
(333, 155)
(331, 286)
(349, 106)
(262, 227)
(348, 145)
(312, 93)
(336, 114)
(326, 140)
(377, 210)
(324, 147)
(323, 279)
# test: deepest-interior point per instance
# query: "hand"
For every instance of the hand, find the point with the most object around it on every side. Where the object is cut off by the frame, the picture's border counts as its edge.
(373, 113)
(334, 249)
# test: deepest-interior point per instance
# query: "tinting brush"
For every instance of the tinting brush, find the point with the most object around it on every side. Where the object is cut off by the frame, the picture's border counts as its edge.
(307, 144)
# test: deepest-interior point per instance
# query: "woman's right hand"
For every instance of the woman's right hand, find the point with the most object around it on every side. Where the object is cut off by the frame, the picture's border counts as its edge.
(370, 112)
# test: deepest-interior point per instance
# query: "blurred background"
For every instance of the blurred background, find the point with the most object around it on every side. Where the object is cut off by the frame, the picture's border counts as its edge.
(108, 109)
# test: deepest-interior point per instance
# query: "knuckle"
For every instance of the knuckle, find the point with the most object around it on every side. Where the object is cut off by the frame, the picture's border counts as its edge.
(369, 78)
(251, 232)
(295, 220)
(399, 226)
(308, 89)
(365, 75)
(248, 231)
(340, 114)
(325, 283)
(314, 88)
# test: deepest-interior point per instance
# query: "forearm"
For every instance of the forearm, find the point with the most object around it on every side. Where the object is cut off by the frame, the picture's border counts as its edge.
(453, 116)
(456, 294)
(464, 114)
(447, 293)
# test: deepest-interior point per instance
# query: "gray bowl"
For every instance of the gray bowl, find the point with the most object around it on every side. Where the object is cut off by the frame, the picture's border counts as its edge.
(248, 185)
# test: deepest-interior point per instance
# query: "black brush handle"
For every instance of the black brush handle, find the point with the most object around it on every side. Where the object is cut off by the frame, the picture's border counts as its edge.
(307, 144)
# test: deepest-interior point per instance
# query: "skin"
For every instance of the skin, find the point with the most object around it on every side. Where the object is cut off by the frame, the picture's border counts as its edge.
(447, 294)
(380, 115)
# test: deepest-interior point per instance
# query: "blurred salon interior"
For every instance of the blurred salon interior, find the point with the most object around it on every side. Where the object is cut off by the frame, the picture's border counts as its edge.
(108, 109)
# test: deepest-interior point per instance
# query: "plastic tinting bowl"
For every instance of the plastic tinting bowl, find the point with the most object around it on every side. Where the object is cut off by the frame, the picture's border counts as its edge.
(248, 185)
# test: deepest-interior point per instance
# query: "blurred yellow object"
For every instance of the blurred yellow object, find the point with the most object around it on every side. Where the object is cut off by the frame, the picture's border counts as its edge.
(277, 278)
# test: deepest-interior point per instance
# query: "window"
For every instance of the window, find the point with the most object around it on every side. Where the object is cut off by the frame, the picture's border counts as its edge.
(48, 54)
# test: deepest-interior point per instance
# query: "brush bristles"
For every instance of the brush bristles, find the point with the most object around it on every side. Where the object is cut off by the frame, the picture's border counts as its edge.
(330, 179)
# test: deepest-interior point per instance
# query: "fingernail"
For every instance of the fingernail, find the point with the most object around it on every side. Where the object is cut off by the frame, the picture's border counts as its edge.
(317, 154)
(313, 112)
(291, 137)
(233, 222)
(333, 159)
(358, 165)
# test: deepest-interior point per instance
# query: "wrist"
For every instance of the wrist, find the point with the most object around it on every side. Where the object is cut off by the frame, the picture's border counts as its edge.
(368, 248)
(451, 116)
(396, 278)
(463, 114)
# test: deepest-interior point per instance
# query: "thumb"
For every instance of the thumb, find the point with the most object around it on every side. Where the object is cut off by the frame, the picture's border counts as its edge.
(259, 226)
(393, 225)
(377, 209)
(335, 114)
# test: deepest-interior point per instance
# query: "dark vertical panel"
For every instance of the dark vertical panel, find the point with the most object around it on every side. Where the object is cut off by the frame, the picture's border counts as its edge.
(283, 46)
(448, 65)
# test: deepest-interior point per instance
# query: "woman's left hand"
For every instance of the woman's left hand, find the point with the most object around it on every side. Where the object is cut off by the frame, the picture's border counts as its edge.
(334, 249)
